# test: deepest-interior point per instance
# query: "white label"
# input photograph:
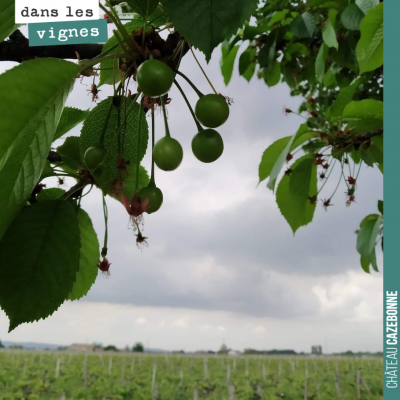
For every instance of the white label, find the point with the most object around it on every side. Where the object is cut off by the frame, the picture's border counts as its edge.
(31, 11)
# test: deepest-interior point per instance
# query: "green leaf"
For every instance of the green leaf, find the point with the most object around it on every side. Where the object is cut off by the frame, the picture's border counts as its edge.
(369, 49)
(7, 19)
(40, 253)
(33, 93)
(92, 132)
(293, 192)
(270, 156)
(266, 56)
(50, 194)
(272, 74)
(380, 206)
(130, 183)
(109, 68)
(247, 64)
(214, 20)
(304, 25)
(367, 236)
(365, 115)
(372, 258)
(365, 263)
(70, 117)
(227, 63)
(143, 7)
(344, 97)
(89, 257)
(281, 158)
(70, 153)
(329, 35)
(351, 17)
(366, 5)
(320, 62)
(376, 151)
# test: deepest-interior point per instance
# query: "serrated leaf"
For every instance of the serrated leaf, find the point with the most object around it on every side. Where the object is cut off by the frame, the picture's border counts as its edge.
(50, 194)
(329, 35)
(366, 5)
(320, 62)
(367, 235)
(70, 117)
(227, 63)
(369, 49)
(293, 192)
(33, 93)
(143, 7)
(351, 17)
(206, 24)
(7, 19)
(70, 153)
(364, 116)
(92, 131)
(345, 96)
(89, 257)
(304, 25)
(40, 253)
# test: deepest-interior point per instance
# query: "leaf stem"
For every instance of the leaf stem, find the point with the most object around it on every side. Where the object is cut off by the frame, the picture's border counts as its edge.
(105, 212)
(73, 189)
(152, 180)
(202, 70)
(199, 127)
(190, 83)
(165, 117)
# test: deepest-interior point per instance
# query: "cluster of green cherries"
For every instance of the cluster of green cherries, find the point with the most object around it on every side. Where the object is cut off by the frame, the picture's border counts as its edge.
(155, 79)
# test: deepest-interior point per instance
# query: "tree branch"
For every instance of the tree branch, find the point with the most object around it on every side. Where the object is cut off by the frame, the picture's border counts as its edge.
(17, 49)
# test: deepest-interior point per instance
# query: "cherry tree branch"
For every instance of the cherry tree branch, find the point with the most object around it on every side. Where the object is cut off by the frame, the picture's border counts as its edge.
(17, 49)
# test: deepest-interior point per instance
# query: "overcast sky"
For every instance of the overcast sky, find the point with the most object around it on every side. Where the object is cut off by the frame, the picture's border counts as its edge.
(222, 264)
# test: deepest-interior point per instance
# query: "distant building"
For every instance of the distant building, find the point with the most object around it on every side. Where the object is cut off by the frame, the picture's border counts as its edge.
(234, 353)
(81, 348)
(316, 350)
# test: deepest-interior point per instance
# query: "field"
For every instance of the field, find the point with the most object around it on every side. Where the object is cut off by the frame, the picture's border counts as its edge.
(98, 376)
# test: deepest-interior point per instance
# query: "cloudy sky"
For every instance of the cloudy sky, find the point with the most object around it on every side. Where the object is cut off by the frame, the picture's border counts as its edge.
(222, 264)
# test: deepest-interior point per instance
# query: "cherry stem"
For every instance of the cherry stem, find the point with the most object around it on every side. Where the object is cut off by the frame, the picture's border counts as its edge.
(202, 70)
(199, 127)
(327, 178)
(105, 212)
(152, 181)
(74, 189)
(190, 83)
(165, 117)
(138, 145)
(114, 17)
(121, 43)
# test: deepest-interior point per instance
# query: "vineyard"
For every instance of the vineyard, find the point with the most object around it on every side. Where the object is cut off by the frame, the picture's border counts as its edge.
(57, 375)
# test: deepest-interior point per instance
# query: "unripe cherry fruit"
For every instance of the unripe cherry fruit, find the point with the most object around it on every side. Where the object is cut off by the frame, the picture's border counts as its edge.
(212, 110)
(207, 145)
(93, 157)
(167, 154)
(152, 196)
(155, 78)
